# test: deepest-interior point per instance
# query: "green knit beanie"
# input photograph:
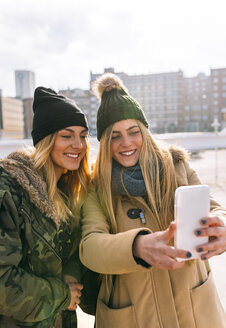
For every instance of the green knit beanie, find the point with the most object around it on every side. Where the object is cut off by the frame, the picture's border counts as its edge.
(116, 104)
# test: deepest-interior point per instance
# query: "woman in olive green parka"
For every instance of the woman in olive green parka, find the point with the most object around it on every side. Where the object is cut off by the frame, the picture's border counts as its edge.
(127, 227)
(41, 191)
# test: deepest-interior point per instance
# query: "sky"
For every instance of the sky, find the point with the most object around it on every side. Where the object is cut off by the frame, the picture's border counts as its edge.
(62, 41)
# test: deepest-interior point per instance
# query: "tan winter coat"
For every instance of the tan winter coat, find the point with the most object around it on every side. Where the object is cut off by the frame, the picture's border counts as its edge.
(146, 297)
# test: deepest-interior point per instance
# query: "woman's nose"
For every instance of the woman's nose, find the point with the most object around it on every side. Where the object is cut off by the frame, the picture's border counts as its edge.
(77, 144)
(126, 141)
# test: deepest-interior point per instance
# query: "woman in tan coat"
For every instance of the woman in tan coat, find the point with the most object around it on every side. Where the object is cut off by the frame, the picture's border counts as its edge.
(128, 226)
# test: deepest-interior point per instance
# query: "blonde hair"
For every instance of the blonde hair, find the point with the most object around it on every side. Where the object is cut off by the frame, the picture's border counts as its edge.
(158, 171)
(69, 200)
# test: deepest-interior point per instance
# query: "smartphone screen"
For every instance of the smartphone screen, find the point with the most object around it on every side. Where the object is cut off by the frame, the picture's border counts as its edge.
(192, 203)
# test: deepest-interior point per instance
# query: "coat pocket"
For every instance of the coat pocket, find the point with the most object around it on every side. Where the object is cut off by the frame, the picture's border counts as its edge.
(207, 308)
(107, 317)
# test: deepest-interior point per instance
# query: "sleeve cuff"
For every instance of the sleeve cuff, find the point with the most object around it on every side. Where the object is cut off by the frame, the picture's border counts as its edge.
(137, 259)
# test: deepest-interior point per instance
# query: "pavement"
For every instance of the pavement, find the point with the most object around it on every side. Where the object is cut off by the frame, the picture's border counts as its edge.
(211, 168)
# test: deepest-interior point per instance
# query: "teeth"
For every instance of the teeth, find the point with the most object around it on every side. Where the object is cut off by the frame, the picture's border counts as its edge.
(72, 155)
(128, 153)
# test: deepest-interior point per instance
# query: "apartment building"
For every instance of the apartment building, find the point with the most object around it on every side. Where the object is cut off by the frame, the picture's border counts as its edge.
(28, 117)
(218, 95)
(11, 118)
(197, 107)
(171, 101)
(161, 97)
(25, 84)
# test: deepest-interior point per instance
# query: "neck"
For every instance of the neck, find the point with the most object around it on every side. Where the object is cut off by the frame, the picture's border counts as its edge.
(58, 172)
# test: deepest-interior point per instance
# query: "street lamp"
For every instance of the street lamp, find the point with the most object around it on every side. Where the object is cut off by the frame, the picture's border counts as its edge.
(216, 125)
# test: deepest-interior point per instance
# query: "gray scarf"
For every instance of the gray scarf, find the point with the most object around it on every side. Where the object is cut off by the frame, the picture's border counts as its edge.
(128, 180)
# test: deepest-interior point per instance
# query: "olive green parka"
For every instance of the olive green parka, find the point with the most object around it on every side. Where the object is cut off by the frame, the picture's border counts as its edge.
(34, 250)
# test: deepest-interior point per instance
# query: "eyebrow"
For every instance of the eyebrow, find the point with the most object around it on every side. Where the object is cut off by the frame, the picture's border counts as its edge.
(130, 128)
(70, 130)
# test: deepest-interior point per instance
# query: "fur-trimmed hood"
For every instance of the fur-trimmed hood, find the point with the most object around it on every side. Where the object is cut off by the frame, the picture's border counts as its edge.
(178, 154)
(21, 168)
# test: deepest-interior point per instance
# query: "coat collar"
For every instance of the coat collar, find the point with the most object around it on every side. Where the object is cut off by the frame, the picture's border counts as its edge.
(178, 154)
(20, 167)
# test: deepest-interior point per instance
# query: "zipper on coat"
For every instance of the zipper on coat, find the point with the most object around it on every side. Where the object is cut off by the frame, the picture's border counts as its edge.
(40, 236)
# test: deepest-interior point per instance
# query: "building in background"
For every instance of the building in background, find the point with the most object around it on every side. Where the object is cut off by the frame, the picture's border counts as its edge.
(197, 109)
(175, 103)
(218, 95)
(171, 101)
(28, 117)
(25, 84)
(11, 118)
(161, 97)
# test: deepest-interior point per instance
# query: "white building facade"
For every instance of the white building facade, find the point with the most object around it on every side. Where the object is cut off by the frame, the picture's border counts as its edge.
(25, 84)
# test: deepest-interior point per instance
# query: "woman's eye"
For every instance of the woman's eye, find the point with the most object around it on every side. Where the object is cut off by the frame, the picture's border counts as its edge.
(66, 137)
(84, 137)
(135, 132)
(115, 137)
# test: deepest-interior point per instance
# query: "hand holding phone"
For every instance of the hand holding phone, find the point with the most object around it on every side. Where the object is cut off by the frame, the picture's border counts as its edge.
(192, 203)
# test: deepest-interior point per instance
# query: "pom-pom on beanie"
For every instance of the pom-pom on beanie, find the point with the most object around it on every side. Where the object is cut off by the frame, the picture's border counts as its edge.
(116, 104)
(53, 112)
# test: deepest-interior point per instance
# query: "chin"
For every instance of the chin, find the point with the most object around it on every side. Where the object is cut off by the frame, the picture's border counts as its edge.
(72, 168)
(128, 164)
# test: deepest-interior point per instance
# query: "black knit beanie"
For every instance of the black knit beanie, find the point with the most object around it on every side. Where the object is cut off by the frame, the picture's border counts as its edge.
(116, 104)
(53, 112)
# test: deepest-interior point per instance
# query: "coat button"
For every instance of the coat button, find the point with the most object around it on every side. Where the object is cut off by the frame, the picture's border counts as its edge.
(134, 213)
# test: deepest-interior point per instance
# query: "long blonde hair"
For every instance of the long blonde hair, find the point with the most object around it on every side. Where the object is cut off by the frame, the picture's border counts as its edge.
(75, 183)
(158, 171)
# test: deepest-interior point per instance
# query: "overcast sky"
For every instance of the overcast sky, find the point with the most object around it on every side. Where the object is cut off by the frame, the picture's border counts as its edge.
(62, 41)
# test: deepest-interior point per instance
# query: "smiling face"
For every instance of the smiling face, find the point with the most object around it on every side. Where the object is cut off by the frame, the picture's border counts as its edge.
(69, 149)
(126, 142)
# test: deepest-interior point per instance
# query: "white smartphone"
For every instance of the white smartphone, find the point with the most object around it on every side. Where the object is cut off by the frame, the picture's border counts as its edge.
(192, 203)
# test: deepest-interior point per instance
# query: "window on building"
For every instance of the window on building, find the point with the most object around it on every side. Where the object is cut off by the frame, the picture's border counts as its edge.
(196, 107)
(196, 117)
